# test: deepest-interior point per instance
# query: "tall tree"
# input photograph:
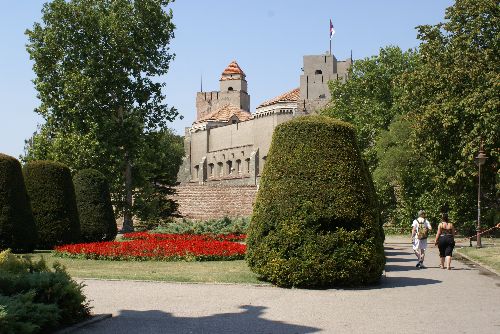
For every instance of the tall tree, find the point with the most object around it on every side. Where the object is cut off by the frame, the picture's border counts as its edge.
(453, 100)
(95, 63)
(367, 99)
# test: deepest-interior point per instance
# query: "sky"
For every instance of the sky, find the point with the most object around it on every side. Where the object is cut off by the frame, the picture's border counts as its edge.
(268, 39)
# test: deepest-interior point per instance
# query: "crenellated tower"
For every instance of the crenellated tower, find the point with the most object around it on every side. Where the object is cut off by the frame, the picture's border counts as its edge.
(233, 91)
(317, 71)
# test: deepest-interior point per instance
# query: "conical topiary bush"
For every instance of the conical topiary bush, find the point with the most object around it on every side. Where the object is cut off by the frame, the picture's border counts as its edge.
(97, 220)
(315, 221)
(17, 227)
(52, 195)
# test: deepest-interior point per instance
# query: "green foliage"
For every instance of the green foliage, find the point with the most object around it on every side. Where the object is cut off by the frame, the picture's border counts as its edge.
(419, 124)
(50, 189)
(316, 221)
(452, 101)
(370, 101)
(398, 175)
(17, 227)
(35, 299)
(20, 314)
(97, 220)
(225, 225)
(96, 64)
(156, 173)
(367, 99)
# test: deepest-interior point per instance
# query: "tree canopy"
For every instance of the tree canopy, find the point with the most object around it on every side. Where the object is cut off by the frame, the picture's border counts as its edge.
(367, 98)
(97, 64)
(453, 99)
(420, 115)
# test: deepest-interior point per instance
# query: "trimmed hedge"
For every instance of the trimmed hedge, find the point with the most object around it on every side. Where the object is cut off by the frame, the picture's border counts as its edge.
(97, 219)
(17, 227)
(52, 195)
(316, 221)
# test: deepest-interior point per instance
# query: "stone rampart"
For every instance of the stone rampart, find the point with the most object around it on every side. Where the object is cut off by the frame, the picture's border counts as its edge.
(211, 202)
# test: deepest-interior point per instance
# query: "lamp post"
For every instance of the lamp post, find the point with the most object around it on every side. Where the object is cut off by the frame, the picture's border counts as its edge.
(480, 160)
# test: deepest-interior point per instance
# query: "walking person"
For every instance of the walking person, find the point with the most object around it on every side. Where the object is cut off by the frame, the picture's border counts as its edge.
(445, 240)
(420, 231)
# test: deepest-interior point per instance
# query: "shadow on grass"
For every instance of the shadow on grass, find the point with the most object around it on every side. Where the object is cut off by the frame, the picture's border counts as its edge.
(155, 321)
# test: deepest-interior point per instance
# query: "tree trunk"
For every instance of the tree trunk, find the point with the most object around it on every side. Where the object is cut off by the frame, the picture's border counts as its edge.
(128, 223)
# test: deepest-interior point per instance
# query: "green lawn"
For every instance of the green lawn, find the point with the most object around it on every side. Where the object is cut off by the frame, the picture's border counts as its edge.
(489, 255)
(211, 271)
(206, 272)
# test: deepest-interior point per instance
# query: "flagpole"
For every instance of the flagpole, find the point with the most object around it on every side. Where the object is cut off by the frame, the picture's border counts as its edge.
(331, 35)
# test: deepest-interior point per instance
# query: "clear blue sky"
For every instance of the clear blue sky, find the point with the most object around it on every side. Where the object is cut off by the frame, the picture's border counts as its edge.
(266, 38)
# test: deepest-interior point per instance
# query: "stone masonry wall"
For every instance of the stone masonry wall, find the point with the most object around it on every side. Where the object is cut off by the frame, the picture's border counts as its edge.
(210, 202)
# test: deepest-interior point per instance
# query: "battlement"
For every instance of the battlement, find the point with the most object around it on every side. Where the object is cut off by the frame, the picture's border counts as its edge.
(208, 102)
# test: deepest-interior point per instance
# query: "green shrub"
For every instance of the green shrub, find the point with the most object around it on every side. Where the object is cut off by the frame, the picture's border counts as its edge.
(315, 221)
(52, 197)
(20, 314)
(97, 220)
(224, 225)
(17, 227)
(35, 299)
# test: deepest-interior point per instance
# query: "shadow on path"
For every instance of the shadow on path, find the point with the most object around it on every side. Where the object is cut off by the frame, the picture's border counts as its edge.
(393, 268)
(156, 321)
(398, 259)
(400, 282)
(401, 260)
(393, 252)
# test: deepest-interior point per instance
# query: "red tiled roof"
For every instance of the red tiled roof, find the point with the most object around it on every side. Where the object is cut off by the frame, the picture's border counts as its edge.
(291, 96)
(232, 68)
(224, 113)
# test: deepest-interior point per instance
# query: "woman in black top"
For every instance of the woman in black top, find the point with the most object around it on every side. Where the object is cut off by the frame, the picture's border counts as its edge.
(445, 241)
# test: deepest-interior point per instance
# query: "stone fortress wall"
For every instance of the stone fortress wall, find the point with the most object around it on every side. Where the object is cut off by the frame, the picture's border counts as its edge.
(227, 145)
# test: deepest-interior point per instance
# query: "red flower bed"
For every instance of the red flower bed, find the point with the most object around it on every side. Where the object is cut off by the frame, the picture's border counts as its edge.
(165, 247)
(164, 236)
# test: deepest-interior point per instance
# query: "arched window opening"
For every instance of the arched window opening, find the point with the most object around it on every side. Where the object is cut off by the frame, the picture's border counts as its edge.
(247, 165)
(211, 170)
(220, 166)
(238, 166)
(197, 172)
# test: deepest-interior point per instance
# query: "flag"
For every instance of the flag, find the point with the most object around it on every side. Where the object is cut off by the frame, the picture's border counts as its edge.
(332, 31)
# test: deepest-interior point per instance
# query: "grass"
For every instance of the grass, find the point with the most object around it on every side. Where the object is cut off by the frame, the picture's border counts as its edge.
(212, 271)
(489, 255)
(205, 272)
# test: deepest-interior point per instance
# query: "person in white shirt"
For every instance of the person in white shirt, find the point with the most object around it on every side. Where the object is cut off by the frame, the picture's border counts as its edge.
(419, 232)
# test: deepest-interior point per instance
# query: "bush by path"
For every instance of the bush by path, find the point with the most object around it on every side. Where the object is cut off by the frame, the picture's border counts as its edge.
(316, 221)
(35, 299)
(97, 219)
(52, 195)
(17, 226)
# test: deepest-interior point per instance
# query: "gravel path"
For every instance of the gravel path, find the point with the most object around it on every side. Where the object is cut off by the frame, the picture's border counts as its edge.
(408, 300)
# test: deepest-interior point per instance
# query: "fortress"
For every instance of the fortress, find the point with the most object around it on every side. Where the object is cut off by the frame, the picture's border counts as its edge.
(228, 144)
(226, 147)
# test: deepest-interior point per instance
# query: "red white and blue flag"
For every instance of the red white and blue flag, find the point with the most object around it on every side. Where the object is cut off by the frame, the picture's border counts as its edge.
(332, 31)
